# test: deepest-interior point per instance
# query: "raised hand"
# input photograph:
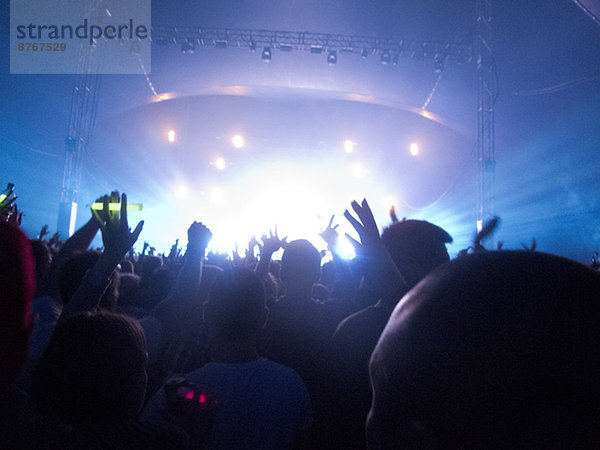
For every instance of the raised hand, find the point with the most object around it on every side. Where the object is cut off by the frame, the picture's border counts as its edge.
(393, 215)
(116, 234)
(15, 216)
(272, 243)
(329, 234)
(371, 246)
(43, 232)
(199, 235)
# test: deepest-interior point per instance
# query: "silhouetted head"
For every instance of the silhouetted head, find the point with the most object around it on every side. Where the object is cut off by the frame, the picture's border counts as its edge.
(43, 258)
(498, 349)
(93, 370)
(417, 247)
(235, 310)
(17, 287)
(300, 263)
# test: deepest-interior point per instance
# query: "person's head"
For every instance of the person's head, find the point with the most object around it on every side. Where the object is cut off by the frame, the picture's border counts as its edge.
(129, 289)
(300, 264)
(17, 287)
(494, 349)
(417, 247)
(235, 310)
(93, 370)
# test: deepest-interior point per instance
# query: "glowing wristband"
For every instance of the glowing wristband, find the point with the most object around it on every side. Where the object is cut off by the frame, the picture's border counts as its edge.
(117, 206)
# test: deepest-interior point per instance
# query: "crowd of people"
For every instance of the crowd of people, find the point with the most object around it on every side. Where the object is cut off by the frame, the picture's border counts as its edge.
(400, 347)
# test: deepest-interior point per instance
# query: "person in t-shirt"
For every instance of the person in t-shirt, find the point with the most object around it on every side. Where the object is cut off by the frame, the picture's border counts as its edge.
(256, 403)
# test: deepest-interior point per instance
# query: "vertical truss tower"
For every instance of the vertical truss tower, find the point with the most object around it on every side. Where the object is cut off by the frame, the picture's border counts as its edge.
(486, 97)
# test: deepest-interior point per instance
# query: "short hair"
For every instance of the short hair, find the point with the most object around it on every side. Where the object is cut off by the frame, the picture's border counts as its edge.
(94, 369)
(301, 261)
(494, 349)
(416, 247)
(236, 304)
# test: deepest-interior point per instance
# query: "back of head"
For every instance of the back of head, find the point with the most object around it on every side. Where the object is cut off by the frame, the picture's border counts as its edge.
(300, 263)
(496, 349)
(417, 247)
(17, 281)
(93, 370)
(236, 308)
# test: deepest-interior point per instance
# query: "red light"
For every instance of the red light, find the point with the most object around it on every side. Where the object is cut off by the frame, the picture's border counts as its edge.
(189, 394)
(202, 398)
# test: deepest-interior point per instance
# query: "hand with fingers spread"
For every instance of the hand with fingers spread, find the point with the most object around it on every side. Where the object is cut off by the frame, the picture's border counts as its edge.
(116, 235)
(272, 243)
(371, 246)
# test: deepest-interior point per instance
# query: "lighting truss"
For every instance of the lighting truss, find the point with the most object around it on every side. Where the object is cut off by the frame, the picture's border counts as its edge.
(305, 41)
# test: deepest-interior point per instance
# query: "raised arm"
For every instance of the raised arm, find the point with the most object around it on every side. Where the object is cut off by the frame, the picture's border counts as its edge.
(271, 244)
(380, 265)
(118, 239)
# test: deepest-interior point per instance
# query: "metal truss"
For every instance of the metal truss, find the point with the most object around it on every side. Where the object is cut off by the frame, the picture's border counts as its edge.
(190, 37)
(487, 91)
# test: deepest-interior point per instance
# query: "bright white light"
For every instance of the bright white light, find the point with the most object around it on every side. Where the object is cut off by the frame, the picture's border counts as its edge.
(357, 170)
(389, 201)
(237, 141)
(414, 149)
(348, 146)
(217, 195)
(171, 135)
(181, 191)
(220, 163)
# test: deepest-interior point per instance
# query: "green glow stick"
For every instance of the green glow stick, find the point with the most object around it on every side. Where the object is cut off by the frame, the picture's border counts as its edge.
(117, 206)
(2, 197)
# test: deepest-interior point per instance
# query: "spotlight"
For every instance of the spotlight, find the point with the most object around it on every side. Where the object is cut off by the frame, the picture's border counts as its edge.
(364, 53)
(332, 58)
(266, 54)
(188, 46)
(221, 44)
(237, 141)
(316, 49)
(171, 136)
(385, 57)
(414, 149)
(220, 163)
(348, 146)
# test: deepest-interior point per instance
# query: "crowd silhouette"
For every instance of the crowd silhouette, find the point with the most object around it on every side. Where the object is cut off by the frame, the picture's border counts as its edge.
(400, 347)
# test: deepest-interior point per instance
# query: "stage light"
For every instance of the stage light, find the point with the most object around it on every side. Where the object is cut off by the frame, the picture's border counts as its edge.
(364, 53)
(266, 54)
(357, 170)
(332, 58)
(395, 60)
(252, 46)
(385, 57)
(181, 191)
(188, 46)
(414, 149)
(220, 163)
(171, 136)
(348, 146)
(316, 49)
(237, 141)
(221, 44)
(217, 195)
